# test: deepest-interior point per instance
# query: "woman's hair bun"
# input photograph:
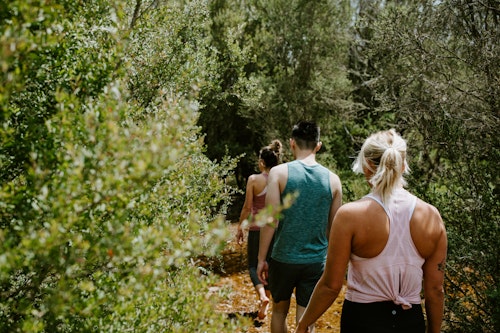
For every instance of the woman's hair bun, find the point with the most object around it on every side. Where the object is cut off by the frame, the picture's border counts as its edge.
(276, 146)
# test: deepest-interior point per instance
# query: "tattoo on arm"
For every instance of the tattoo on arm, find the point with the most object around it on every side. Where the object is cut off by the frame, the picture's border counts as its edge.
(441, 266)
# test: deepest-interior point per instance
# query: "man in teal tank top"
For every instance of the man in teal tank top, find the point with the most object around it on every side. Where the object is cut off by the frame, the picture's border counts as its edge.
(301, 236)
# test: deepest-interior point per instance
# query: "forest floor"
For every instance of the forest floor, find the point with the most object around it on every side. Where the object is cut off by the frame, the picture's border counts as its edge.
(240, 298)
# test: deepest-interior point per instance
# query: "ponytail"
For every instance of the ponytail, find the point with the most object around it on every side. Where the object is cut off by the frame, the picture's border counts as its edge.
(384, 155)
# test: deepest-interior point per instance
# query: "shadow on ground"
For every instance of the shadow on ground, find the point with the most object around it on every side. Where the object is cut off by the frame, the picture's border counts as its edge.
(251, 315)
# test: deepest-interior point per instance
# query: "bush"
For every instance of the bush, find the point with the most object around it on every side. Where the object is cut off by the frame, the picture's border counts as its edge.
(104, 200)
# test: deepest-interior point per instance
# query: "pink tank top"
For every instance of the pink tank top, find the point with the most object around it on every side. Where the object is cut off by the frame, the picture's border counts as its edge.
(259, 202)
(396, 273)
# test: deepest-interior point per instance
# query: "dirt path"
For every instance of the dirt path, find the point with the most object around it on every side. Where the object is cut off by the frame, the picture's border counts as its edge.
(240, 298)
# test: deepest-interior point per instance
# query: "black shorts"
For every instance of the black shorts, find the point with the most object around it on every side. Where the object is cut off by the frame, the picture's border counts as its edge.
(381, 317)
(284, 278)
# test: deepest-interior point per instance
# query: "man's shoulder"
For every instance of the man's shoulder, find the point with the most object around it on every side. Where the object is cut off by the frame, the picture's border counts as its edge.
(280, 167)
(278, 171)
(333, 175)
(335, 181)
(325, 167)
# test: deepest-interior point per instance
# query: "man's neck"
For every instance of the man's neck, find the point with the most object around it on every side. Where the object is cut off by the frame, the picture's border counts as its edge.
(306, 156)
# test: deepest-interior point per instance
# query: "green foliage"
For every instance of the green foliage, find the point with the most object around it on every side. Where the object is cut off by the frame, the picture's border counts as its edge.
(105, 200)
(39, 60)
(282, 61)
(226, 131)
(168, 52)
(436, 63)
(298, 64)
(110, 193)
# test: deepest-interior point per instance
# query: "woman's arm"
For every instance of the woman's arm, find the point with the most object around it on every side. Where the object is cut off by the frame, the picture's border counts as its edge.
(330, 284)
(247, 208)
(433, 269)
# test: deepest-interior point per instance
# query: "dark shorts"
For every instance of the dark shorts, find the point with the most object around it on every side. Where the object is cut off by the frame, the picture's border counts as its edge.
(284, 278)
(381, 317)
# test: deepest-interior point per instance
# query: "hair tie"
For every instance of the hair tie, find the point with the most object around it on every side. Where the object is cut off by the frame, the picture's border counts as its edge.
(391, 162)
(392, 149)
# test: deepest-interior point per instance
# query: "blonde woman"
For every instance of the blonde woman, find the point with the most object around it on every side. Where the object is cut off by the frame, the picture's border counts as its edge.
(391, 241)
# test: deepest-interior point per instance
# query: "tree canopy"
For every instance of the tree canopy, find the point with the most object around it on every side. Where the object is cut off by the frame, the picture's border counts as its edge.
(129, 129)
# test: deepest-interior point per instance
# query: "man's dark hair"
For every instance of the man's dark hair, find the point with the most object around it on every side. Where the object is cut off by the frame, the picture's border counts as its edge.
(306, 134)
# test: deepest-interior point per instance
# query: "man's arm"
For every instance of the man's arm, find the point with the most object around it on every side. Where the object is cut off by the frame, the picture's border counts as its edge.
(266, 235)
(267, 231)
(336, 187)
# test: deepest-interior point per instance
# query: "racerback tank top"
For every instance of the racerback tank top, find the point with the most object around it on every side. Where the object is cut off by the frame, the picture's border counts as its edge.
(259, 202)
(301, 234)
(396, 273)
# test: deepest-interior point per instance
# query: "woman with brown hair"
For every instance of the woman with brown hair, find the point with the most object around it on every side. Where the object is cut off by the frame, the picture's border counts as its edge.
(255, 199)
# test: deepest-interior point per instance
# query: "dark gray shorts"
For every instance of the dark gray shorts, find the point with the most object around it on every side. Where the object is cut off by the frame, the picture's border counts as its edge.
(284, 278)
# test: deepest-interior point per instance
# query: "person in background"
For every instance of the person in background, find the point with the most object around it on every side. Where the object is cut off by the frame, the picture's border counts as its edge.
(301, 237)
(391, 241)
(255, 197)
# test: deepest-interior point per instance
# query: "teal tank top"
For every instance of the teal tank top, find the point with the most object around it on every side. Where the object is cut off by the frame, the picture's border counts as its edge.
(300, 237)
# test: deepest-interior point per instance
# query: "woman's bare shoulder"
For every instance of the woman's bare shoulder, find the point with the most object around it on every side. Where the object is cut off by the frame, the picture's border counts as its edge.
(427, 228)
(359, 207)
(426, 221)
(426, 213)
(253, 178)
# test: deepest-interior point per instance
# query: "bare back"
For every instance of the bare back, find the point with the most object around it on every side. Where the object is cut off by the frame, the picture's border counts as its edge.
(257, 183)
(370, 226)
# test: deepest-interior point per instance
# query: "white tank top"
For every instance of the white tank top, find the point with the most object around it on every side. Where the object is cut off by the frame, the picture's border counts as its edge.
(396, 273)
